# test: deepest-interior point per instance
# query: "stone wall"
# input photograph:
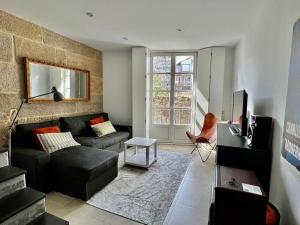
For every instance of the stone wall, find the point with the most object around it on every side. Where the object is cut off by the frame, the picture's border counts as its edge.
(19, 39)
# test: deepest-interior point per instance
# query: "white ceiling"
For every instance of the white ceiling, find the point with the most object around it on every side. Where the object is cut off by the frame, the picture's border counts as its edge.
(151, 23)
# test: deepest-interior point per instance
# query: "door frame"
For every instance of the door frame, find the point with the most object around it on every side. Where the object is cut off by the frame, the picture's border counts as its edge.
(172, 126)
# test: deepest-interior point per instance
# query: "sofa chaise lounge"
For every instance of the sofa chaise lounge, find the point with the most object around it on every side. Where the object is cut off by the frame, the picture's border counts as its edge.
(79, 171)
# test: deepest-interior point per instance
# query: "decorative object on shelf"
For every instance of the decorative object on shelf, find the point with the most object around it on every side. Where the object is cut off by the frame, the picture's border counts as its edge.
(291, 132)
(57, 96)
(71, 82)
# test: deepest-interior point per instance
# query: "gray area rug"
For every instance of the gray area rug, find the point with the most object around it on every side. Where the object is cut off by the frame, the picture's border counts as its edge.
(144, 195)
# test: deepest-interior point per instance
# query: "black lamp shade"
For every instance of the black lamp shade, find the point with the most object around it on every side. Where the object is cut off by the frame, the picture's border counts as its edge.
(57, 96)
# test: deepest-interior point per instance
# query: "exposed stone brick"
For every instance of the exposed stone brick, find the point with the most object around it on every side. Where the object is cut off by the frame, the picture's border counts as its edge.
(17, 26)
(6, 52)
(98, 55)
(57, 40)
(61, 57)
(95, 86)
(31, 49)
(91, 106)
(8, 101)
(12, 78)
(25, 40)
(42, 109)
(3, 133)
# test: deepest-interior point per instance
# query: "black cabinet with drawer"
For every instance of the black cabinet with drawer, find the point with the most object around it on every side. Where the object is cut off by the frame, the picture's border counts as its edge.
(234, 151)
(231, 201)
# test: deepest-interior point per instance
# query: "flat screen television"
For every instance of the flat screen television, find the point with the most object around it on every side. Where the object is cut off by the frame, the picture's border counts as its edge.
(239, 112)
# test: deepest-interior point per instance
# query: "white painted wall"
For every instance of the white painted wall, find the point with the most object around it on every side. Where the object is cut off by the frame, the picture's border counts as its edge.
(148, 92)
(217, 82)
(203, 71)
(262, 68)
(117, 100)
(228, 80)
(202, 88)
(214, 84)
(140, 69)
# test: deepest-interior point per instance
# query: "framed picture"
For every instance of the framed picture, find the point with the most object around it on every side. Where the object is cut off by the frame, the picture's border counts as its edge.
(291, 133)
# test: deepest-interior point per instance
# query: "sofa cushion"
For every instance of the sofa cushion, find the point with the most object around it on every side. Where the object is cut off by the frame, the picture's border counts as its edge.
(24, 135)
(81, 162)
(97, 120)
(104, 141)
(44, 130)
(53, 142)
(80, 125)
(104, 128)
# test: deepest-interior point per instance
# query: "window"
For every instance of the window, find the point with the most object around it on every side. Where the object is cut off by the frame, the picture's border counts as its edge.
(183, 91)
(172, 89)
(161, 90)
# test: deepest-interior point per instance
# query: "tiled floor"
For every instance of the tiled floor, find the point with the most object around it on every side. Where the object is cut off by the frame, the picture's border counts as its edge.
(190, 206)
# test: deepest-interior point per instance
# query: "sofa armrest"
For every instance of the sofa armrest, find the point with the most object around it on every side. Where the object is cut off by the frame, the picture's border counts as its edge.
(126, 128)
(36, 163)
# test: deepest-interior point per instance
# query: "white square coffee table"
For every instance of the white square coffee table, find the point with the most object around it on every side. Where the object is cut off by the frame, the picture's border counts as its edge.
(140, 158)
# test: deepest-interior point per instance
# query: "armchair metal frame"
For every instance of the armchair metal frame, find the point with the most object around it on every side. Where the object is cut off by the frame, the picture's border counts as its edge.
(207, 136)
(199, 146)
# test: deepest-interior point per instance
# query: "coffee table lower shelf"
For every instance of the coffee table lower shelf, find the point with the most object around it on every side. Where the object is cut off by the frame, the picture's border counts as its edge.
(144, 155)
(139, 160)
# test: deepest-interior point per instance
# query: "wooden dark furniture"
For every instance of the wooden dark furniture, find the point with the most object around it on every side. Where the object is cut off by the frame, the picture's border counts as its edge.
(231, 204)
(233, 151)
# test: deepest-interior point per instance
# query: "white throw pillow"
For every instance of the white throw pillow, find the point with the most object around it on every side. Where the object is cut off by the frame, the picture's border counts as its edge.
(52, 142)
(104, 128)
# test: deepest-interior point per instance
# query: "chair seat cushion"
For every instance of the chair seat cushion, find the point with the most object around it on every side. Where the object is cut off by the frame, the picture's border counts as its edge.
(272, 217)
(81, 162)
(104, 141)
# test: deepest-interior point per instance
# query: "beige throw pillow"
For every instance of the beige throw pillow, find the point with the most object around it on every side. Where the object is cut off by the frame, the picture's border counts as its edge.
(52, 142)
(104, 128)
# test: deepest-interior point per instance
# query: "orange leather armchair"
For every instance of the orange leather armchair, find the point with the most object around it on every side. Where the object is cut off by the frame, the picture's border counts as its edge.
(208, 135)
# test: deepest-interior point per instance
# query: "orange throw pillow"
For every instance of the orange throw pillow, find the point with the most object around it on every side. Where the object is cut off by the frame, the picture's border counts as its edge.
(44, 130)
(97, 120)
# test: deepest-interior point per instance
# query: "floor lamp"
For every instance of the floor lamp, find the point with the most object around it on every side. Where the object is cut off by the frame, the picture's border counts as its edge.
(57, 96)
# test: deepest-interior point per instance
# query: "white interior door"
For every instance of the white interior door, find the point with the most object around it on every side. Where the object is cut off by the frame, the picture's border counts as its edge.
(172, 95)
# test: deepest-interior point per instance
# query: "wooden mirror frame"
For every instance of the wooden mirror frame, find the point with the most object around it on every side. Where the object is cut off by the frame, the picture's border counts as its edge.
(27, 81)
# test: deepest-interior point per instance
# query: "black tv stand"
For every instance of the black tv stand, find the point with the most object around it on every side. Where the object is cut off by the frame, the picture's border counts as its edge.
(234, 151)
(232, 203)
(238, 166)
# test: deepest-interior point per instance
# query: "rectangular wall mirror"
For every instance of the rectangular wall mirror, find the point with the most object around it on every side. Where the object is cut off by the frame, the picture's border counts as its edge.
(41, 77)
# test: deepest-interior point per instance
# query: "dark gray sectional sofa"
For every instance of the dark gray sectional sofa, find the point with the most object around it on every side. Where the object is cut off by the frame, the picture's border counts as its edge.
(83, 133)
(79, 171)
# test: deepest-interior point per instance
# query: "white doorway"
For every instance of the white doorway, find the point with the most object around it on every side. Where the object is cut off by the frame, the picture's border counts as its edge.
(172, 95)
